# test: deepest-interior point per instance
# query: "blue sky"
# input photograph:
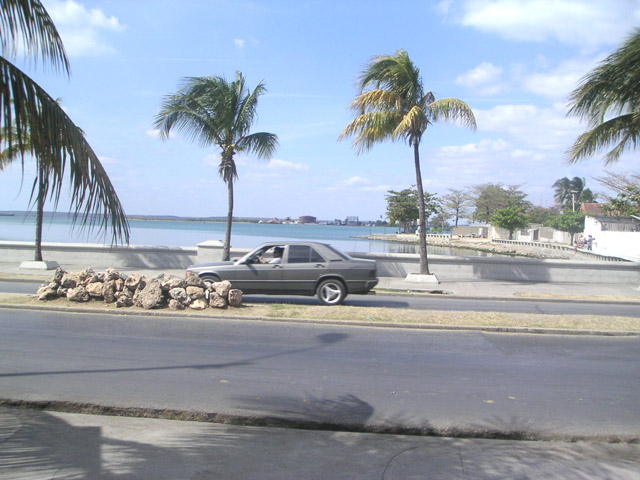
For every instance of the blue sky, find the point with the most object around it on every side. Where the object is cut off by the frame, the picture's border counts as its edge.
(513, 62)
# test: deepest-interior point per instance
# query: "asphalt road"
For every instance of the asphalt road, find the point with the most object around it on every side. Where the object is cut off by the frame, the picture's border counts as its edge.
(548, 384)
(426, 302)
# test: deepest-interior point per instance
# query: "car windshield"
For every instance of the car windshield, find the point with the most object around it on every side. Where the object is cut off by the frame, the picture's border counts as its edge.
(266, 253)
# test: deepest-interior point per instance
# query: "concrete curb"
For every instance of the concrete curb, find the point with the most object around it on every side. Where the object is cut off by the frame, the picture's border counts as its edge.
(345, 323)
(305, 424)
(452, 296)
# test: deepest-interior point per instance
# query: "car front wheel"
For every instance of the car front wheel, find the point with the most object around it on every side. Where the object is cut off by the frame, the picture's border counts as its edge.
(331, 292)
(210, 279)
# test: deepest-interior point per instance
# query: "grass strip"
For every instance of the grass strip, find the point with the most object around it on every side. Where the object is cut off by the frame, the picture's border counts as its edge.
(364, 315)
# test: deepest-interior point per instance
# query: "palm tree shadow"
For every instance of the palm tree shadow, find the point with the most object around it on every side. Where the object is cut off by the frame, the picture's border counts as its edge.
(346, 412)
(322, 341)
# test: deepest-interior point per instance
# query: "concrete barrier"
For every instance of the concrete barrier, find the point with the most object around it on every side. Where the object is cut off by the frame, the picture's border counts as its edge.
(507, 268)
(97, 255)
(389, 264)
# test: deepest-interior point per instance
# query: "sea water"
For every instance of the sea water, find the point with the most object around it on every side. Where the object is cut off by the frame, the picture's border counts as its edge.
(188, 233)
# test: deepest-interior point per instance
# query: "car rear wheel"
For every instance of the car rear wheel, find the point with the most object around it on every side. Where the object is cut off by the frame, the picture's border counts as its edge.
(331, 292)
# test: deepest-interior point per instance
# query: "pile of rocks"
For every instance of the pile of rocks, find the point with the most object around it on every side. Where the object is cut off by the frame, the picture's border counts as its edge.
(112, 286)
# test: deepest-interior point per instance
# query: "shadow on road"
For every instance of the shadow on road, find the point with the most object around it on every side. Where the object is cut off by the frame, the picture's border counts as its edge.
(322, 341)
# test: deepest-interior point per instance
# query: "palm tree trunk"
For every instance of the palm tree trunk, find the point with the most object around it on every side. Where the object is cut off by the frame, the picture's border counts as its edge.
(39, 215)
(226, 252)
(422, 235)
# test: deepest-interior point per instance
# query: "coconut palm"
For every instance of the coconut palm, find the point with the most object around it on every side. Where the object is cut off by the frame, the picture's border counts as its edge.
(609, 99)
(34, 125)
(217, 112)
(571, 193)
(393, 104)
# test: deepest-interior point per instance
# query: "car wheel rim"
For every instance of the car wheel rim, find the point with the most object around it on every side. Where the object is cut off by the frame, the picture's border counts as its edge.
(331, 293)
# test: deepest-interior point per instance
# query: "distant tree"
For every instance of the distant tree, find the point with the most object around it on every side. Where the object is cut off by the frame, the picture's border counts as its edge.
(609, 99)
(217, 112)
(626, 203)
(456, 204)
(571, 222)
(618, 181)
(33, 125)
(511, 218)
(393, 104)
(403, 207)
(440, 221)
(491, 197)
(542, 215)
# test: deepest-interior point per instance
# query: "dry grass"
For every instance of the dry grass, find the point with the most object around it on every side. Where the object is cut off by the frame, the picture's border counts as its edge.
(604, 298)
(368, 315)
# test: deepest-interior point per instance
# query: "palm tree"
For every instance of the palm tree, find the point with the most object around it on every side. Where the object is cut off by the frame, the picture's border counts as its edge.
(571, 193)
(609, 99)
(217, 112)
(393, 104)
(33, 124)
(568, 191)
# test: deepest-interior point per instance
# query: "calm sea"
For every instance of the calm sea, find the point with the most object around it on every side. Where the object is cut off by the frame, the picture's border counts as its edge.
(190, 233)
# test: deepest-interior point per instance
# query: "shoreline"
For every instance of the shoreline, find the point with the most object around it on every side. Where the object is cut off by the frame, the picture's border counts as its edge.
(480, 245)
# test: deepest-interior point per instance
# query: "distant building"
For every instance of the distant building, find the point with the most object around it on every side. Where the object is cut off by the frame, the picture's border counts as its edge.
(352, 221)
(593, 209)
(307, 219)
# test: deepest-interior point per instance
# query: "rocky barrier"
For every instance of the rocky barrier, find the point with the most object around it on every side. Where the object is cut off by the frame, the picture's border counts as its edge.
(138, 290)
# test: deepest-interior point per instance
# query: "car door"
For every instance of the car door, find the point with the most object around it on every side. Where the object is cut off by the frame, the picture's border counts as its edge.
(302, 267)
(256, 277)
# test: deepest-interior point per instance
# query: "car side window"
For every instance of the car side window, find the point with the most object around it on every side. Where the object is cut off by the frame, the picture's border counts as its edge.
(303, 254)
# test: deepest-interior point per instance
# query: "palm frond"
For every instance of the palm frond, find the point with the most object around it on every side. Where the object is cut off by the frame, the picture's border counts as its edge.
(412, 125)
(612, 87)
(371, 128)
(452, 110)
(29, 21)
(59, 145)
(623, 132)
(378, 99)
(262, 144)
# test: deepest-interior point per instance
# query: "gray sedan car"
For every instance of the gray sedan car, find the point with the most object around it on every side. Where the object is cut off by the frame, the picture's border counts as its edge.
(294, 268)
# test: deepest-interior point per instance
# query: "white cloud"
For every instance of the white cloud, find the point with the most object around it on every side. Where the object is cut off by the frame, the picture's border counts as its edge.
(82, 29)
(485, 78)
(241, 43)
(530, 125)
(586, 23)
(283, 164)
(153, 133)
(485, 145)
(354, 182)
(558, 83)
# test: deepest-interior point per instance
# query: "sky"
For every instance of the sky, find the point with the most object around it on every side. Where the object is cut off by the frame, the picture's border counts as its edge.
(514, 62)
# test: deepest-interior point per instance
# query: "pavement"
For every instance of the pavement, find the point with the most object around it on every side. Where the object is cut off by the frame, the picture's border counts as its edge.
(45, 444)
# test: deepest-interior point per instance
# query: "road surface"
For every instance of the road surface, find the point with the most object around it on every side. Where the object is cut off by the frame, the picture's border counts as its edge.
(552, 385)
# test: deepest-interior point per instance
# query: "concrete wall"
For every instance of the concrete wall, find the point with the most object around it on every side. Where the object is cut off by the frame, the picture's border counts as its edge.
(86, 254)
(393, 265)
(508, 269)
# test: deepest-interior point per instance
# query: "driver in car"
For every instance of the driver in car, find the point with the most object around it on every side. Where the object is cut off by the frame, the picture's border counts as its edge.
(277, 256)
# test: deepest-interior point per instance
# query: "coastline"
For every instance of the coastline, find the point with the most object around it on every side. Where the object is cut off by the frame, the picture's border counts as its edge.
(480, 245)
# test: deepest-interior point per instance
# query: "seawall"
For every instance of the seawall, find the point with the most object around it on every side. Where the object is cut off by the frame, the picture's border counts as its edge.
(389, 264)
